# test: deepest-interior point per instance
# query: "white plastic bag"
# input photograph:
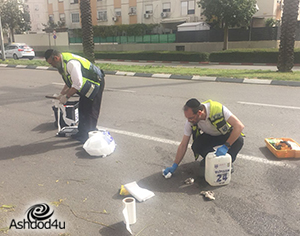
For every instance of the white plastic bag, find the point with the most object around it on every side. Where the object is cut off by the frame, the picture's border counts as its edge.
(100, 143)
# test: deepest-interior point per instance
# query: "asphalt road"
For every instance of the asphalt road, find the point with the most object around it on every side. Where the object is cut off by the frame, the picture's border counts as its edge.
(144, 116)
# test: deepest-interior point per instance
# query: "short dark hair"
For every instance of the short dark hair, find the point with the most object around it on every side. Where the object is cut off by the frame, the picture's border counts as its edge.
(51, 52)
(194, 104)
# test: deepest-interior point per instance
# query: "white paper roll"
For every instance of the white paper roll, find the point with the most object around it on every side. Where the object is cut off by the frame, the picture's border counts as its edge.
(129, 208)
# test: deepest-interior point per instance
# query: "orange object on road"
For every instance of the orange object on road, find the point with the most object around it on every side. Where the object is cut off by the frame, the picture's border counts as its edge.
(283, 147)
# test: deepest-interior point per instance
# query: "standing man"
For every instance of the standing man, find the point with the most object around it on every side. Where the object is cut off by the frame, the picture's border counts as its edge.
(84, 78)
(211, 124)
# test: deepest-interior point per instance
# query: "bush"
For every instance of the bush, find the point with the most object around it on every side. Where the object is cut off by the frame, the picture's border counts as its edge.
(232, 56)
(154, 56)
(245, 55)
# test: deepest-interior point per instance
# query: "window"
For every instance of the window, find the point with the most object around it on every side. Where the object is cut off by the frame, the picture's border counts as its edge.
(12, 47)
(73, 1)
(132, 11)
(191, 7)
(51, 18)
(166, 7)
(62, 17)
(118, 12)
(102, 15)
(75, 17)
(187, 7)
(149, 9)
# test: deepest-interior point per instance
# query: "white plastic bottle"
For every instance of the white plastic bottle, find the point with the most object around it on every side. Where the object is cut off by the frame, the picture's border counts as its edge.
(217, 169)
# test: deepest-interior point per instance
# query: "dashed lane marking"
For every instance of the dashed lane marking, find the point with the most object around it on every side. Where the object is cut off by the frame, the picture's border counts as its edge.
(106, 89)
(268, 105)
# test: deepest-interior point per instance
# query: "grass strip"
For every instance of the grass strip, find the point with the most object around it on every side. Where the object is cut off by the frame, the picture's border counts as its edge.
(179, 70)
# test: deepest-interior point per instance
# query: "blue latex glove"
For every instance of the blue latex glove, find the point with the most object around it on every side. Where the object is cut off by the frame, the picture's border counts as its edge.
(221, 151)
(170, 169)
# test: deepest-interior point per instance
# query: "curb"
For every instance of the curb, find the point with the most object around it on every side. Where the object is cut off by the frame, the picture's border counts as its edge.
(196, 63)
(179, 77)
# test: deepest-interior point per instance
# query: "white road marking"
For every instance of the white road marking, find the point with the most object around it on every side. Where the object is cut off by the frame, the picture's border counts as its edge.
(120, 90)
(136, 135)
(168, 141)
(268, 105)
(265, 161)
(106, 89)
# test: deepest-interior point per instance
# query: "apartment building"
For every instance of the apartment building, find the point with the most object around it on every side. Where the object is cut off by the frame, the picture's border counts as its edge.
(267, 9)
(168, 13)
(116, 12)
(38, 13)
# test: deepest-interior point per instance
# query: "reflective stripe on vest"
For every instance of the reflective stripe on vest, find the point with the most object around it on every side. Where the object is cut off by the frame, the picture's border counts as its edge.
(91, 75)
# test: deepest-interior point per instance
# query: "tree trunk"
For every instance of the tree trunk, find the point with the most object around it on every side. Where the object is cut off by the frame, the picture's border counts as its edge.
(87, 30)
(225, 43)
(12, 35)
(287, 36)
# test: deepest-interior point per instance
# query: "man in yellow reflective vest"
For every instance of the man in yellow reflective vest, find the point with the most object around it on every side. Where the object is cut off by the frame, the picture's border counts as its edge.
(211, 124)
(84, 78)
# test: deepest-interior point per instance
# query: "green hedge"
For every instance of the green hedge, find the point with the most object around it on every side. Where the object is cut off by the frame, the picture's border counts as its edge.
(245, 55)
(154, 56)
(144, 55)
(233, 56)
(250, 56)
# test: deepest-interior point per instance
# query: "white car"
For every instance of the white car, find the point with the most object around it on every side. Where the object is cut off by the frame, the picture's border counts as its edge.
(19, 50)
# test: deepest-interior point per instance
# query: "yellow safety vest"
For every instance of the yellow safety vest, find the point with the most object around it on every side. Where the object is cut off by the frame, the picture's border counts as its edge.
(216, 117)
(91, 75)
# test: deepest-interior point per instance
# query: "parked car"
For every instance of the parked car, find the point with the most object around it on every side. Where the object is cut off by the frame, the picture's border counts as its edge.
(19, 50)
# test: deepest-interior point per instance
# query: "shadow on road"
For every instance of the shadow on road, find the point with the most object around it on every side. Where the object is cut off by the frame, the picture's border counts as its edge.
(157, 183)
(43, 128)
(271, 157)
(116, 229)
(35, 148)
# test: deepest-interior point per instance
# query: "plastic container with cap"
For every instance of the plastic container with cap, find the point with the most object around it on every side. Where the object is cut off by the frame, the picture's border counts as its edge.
(217, 169)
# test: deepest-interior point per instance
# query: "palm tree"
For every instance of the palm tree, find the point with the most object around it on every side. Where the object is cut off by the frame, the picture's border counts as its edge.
(87, 30)
(287, 36)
